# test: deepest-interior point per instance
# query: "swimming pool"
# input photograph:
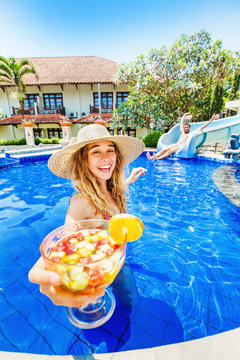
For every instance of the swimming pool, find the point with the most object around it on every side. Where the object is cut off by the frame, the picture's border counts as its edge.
(185, 267)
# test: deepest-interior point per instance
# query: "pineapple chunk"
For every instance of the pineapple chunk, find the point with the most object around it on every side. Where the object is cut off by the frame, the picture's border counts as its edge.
(102, 235)
(94, 238)
(58, 254)
(99, 254)
(84, 252)
(71, 259)
(66, 279)
(79, 279)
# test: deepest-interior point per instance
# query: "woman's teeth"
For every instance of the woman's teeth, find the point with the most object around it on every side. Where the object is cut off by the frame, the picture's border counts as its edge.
(104, 168)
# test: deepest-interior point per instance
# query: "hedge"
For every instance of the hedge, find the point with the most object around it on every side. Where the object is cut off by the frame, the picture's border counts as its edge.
(22, 141)
(151, 139)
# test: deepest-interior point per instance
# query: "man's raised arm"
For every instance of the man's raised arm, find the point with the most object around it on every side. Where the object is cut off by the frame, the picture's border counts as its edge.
(214, 117)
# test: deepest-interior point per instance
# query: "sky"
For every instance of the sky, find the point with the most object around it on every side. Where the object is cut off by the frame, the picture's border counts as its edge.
(115, 30)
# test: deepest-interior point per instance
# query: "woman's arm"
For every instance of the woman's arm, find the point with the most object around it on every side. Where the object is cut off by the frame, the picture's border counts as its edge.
(135, 174)
(49, 281)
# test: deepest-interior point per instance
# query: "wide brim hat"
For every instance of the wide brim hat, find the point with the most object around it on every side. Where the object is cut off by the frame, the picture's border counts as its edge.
(60, 163)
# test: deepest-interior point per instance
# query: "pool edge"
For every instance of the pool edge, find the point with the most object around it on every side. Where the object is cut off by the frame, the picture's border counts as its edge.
(225, 345)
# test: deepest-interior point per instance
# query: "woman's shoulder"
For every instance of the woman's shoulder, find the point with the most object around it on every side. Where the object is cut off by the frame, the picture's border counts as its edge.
(79, 208)
(77, 200)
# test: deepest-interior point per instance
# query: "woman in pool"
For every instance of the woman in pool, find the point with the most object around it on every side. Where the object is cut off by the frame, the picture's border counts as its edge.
(95, 164)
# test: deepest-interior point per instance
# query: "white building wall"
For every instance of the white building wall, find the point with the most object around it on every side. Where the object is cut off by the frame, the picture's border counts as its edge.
(76, 99)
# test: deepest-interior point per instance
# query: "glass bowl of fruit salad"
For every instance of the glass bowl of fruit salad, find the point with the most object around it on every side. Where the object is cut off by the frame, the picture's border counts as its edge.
(87, 259)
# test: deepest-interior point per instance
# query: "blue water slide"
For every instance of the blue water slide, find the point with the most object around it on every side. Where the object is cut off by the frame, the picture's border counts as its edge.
(216, 131)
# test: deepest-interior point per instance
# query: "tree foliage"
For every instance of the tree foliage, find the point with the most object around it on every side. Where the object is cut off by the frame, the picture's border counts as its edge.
(168, 82)
(233, 94)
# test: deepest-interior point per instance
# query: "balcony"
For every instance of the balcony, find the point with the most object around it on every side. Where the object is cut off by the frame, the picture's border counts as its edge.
(105, 110)
(39, 110)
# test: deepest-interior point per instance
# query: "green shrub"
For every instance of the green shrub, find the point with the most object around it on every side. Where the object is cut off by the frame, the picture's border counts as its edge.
(55, 140)
(22, 141)
(151, 139)
(37, 140)
(13, 142)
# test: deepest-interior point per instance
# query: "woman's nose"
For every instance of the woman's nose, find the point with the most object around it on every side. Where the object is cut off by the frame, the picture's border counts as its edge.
(105, 155)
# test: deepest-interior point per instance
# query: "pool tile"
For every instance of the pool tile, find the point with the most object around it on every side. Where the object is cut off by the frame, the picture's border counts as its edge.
(18, 331)
(38, 314)
(116, 325)
(16, 295)
(6, 278)
(40, 346)
(101, 340)
(142, 338)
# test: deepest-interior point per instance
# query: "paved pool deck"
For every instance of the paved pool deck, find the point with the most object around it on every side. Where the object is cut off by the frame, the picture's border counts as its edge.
(223, 346)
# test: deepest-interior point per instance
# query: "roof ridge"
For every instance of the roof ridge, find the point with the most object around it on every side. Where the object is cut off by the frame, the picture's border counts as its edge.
(65, 56)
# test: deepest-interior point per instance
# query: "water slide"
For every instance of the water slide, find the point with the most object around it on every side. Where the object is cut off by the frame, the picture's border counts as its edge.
(216, 131)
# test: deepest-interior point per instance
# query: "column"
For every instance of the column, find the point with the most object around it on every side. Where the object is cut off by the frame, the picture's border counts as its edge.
(28, 131)
(66, 130)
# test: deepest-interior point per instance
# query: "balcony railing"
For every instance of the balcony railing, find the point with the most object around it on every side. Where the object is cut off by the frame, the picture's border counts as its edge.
(27, 111)
(48, 110)
(39, 110)
(95, 110)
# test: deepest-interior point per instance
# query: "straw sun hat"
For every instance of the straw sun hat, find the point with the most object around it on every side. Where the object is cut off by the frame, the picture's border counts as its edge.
(60, 163)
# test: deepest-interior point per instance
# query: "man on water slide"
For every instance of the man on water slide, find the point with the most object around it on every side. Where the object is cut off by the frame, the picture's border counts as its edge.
(184, 135)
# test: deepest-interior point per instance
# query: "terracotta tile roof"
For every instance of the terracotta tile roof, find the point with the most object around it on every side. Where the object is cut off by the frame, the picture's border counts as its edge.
(70, 70)
(91, 118)
(38, 119)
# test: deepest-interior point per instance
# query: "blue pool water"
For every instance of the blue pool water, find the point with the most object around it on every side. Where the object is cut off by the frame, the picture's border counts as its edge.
(183, 273)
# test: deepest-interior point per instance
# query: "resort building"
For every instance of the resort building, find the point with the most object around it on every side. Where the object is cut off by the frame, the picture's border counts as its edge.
(67, 92)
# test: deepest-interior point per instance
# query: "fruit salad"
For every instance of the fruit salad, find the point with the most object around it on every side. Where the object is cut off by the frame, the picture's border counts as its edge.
(86, 260)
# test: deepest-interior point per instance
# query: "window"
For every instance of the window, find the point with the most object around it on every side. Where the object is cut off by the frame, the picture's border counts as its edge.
(55, 133)
(38, 132)
(30, 100)
(107, 101)
(52, 101)
(121, 96)
(128, 131)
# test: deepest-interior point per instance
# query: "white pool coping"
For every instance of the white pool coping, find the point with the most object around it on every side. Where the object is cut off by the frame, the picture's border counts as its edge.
(224, 346)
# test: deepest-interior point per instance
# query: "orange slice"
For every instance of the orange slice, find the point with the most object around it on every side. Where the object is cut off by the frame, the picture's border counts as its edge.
(125, 227)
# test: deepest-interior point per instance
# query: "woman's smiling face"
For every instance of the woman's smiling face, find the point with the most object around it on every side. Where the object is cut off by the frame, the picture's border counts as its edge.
(102, 159)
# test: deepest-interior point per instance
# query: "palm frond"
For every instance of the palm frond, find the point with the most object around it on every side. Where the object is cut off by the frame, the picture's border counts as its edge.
(5, 77)
(28, 70)
(12, 71)
(5, 61)
(6, 81)
(24, 62)
(5, 68)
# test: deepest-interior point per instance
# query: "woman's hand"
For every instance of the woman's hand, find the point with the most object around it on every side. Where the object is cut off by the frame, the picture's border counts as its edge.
(49, 282)
(135, 174)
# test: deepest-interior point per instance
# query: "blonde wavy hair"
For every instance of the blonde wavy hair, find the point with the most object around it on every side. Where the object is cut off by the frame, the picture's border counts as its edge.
(89, 186)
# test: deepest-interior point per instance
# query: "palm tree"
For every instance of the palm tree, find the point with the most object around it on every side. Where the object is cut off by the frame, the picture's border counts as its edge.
(12, 72)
